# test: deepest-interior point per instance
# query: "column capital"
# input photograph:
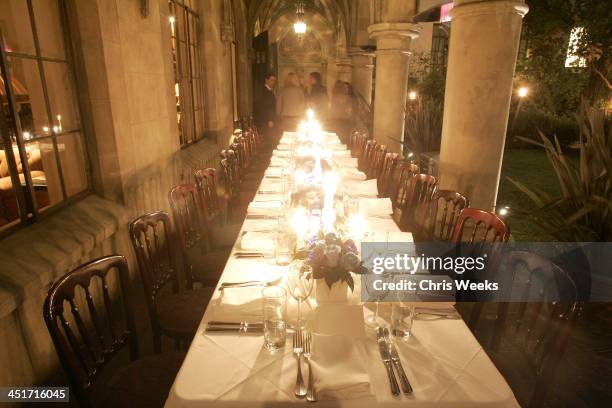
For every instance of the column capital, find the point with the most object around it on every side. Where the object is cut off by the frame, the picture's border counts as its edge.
(393, 30)
(471, 8)
(361, 58)
(393, 37)
(343, 61)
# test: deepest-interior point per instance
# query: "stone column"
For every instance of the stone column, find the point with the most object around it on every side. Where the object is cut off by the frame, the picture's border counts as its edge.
(392, 42)
(481, 61)
(343, 69)
(361, 76)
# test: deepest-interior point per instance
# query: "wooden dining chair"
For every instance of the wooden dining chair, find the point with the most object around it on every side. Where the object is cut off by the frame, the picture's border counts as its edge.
(415, 199)
(384, 181)
(484, 227)
(399, 180)
(365, 160)
(236, 202)
(375, 166)
(359, 138)
(220, 233)
(527, 337)
(173, 312)
(203, 263)
(91, 324)
(442, 214)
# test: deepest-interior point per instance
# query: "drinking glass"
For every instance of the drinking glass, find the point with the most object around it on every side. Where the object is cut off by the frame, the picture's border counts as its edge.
(282, 249)
(375, 296)
(300, 282)
(402, 316)
(274, 313)
(351, 206)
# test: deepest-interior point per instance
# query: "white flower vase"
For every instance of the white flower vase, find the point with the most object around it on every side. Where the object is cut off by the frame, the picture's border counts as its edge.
(337, 294)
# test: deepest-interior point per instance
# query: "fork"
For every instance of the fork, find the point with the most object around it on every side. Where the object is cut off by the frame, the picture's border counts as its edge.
(298, 349)
(311, 395)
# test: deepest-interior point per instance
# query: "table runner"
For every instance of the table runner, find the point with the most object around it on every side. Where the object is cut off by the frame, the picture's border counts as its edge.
(445, 363)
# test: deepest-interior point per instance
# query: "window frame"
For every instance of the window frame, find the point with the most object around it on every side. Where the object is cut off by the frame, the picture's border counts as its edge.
(190, 84)
(25, 196)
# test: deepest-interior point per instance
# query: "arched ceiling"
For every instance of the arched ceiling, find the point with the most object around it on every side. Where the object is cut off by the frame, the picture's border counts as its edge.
(336, 12)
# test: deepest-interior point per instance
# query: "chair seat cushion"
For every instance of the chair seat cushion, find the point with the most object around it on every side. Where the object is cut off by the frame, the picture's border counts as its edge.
(180, 315)
(145, 382)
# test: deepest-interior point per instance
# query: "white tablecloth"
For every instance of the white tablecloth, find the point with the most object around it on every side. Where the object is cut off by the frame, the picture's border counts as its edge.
(444, 362)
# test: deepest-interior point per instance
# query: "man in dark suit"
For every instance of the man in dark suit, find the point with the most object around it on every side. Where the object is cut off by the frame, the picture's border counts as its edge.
(264, 111)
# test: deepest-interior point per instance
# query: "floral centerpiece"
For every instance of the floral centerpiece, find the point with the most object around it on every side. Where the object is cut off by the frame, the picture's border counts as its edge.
(332, 260)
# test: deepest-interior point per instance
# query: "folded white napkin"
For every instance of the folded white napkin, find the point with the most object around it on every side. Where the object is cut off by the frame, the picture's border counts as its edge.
(272, 208)
(341, 153)
(351, 173)
(375, 206)
(362, 188)
(260, 225)
(281, 153)
(279, 161)
(268, 197)
(244, 303)
(346, 161)
(258, 241)
(339, 367)
(271, 185)
(274, 172)
(336, 146)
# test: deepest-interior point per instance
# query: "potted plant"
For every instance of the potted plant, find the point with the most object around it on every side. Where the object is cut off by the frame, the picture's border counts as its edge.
(332, 260)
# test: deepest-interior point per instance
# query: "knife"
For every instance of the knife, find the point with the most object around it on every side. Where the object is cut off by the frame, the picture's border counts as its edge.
(383, 348)
(234, 329)
(234, 324)
(406, 387)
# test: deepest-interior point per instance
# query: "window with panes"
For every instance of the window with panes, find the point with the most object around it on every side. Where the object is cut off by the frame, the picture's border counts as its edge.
(43, 161)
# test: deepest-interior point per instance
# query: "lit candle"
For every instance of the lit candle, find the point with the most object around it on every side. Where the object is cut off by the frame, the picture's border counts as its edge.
(299, 223)
(46, 130)
(59, 122)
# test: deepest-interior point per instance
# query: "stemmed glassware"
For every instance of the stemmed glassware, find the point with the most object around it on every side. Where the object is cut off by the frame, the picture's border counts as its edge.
(299, 284)
(376, 296)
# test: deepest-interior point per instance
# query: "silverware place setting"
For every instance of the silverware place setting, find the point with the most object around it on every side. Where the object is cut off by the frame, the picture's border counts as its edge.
(228, 285)
(234, 327)
(302, 342)
(391, 360)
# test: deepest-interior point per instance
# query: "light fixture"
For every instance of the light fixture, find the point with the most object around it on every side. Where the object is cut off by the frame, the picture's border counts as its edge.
(504, 211)
(523, 91)
(299, 26)
(412, 95)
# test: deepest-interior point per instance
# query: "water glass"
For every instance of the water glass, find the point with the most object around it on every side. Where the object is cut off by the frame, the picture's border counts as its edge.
(274, 317)
(351, 206)
(282, 249)
(402, 317)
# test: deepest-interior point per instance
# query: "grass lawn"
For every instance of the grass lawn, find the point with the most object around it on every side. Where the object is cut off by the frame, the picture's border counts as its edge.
(530, 167)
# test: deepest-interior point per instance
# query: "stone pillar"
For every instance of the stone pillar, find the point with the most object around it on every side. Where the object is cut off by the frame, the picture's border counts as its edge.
(392, 42)
(361, 76)
(481, 61)
(343, 69)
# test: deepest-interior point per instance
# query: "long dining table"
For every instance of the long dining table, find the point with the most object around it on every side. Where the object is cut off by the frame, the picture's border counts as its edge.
(444, 362)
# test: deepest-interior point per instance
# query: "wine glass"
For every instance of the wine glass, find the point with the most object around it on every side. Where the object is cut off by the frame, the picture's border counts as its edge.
(376, 295)
(299, 284)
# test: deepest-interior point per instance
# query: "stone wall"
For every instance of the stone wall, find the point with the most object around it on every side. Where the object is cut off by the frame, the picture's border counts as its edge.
(125, 83)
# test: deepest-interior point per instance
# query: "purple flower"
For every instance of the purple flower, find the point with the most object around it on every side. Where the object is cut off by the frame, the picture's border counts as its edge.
(349, 261)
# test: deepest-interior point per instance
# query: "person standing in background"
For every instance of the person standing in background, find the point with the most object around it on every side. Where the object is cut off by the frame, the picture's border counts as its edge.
(316, 96)
(291, 102)
(341, 110)
(264, 110)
